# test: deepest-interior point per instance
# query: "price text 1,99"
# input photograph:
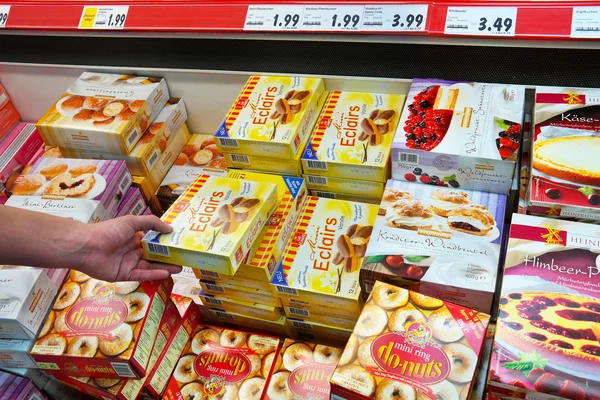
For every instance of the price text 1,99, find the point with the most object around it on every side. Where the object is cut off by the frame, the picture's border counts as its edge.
(118, 20)
(347, 20)
(287, 20)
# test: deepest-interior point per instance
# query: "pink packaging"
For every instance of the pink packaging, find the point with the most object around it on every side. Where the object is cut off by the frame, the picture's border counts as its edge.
(147, 211)
(133, 203)
(9, 115)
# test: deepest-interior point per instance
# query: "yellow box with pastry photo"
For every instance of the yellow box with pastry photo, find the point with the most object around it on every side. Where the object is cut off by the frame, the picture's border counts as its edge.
(302, 370)
(438, 241)
(353, 136)
(327, 318)
(215, 222)
(303, 302)
(321, 262)
(309, 330)
(266, 297)
(146, 153)
(271, 117)
(251, 309)
(104, 112)
(241, 321)
(110, 327)
(345, 186)
(411, 344)
(232, 364)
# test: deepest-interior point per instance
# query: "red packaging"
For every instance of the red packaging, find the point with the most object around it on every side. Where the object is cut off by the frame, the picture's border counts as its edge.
(9, 115)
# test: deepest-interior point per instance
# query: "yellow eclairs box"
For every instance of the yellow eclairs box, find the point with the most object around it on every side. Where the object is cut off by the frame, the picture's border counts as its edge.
(347, 186)
(271, 116)
(215, 222)
(353, 136)
(104, 112)
(321, 262)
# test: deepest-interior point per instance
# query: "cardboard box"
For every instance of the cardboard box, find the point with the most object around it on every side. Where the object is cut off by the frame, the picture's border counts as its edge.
(347, 197)
(305, 371)
(349, 187)
(240, 321)
(271, 165)
(18, 388)
(440, 242)
(324, 318)
(132, 204)
(303, 329)
(251, 309)
(9, 116)
(411, 345)
(271, 116)
(353, 136)
(465, 134)
(321, 262)
(224, 361)
(14, 353)
(215, 222)
(92, 313)
(85, 190)
(144, 155)
(240, 293)
(549, 308)
(104, 112)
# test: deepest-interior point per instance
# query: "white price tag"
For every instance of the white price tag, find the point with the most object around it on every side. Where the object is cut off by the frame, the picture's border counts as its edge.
(585, 22)
(487, 21)
(109, 17)
(395, 18)
(332, 18)
(273, 18)
(4, 10)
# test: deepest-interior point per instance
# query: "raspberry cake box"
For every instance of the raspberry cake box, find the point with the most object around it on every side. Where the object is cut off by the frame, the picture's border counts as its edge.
(459, 134)
(548, 332)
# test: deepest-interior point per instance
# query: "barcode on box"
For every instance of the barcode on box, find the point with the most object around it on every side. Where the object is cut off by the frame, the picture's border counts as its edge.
(228, 143)
(125, 183)
(286, 290)
(302, 325)
(213, 301)
(122, 370)
(408, 158)
(223, 315)
(320, 165)
(138, 208)
(299, 311)
(152, 159)
(317, 180)
(240, 159)
(327, 195)
(133, 137)
(214, 288)
(159, 249)
(210, 274)
(299, 302)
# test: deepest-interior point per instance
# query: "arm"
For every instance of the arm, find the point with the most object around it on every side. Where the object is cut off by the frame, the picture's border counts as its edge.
(108, 250)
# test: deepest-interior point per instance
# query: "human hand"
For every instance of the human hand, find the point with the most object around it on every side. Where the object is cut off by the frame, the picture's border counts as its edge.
(112, 250)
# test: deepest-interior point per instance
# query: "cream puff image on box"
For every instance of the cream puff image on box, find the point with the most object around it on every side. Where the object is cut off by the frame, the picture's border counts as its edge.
(473, 220)
(410, 214)
(444, 201)
(392, 195)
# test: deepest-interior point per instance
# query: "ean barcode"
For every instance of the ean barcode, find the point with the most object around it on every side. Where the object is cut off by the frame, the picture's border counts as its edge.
(158, 249)
(214, 288)
(152, 159)
(122, 370)
(210, 274)
(299, 311)
(302, 325)
(452, 26)
(317, 180)
(211, 300)
(240, 159)
(409, 158)
(133, 137)
(327, 195)
(320, 165)
(223, 315)
(125, 183)
(228, 143)
(138, 208)
(286, 290)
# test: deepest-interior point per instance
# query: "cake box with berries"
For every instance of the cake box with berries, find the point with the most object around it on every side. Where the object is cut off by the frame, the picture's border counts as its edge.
(565, 173)
(440, 242)
(548, 331)
(459, 134)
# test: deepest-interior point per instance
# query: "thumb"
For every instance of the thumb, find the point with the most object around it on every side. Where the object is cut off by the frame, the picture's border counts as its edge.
(145, 223)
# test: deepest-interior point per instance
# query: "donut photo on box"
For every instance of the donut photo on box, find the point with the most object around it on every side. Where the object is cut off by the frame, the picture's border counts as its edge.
(101, 329)
(224, 363)
(409, 344)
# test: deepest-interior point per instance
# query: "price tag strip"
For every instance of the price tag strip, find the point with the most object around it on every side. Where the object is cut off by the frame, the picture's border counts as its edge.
(103, 17)
(273, 18)
(395, 18)
(486, 21)
(4, 11)
(585, 22)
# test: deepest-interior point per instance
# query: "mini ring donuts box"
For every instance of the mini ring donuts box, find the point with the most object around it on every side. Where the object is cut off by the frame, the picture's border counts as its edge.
(565, 175)
(303, 370)
(465, 133)
(104, 112)
(225, 363)
(408, 345)
(548, 332)
(440, 242)
(102, 329)
(85, 190)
